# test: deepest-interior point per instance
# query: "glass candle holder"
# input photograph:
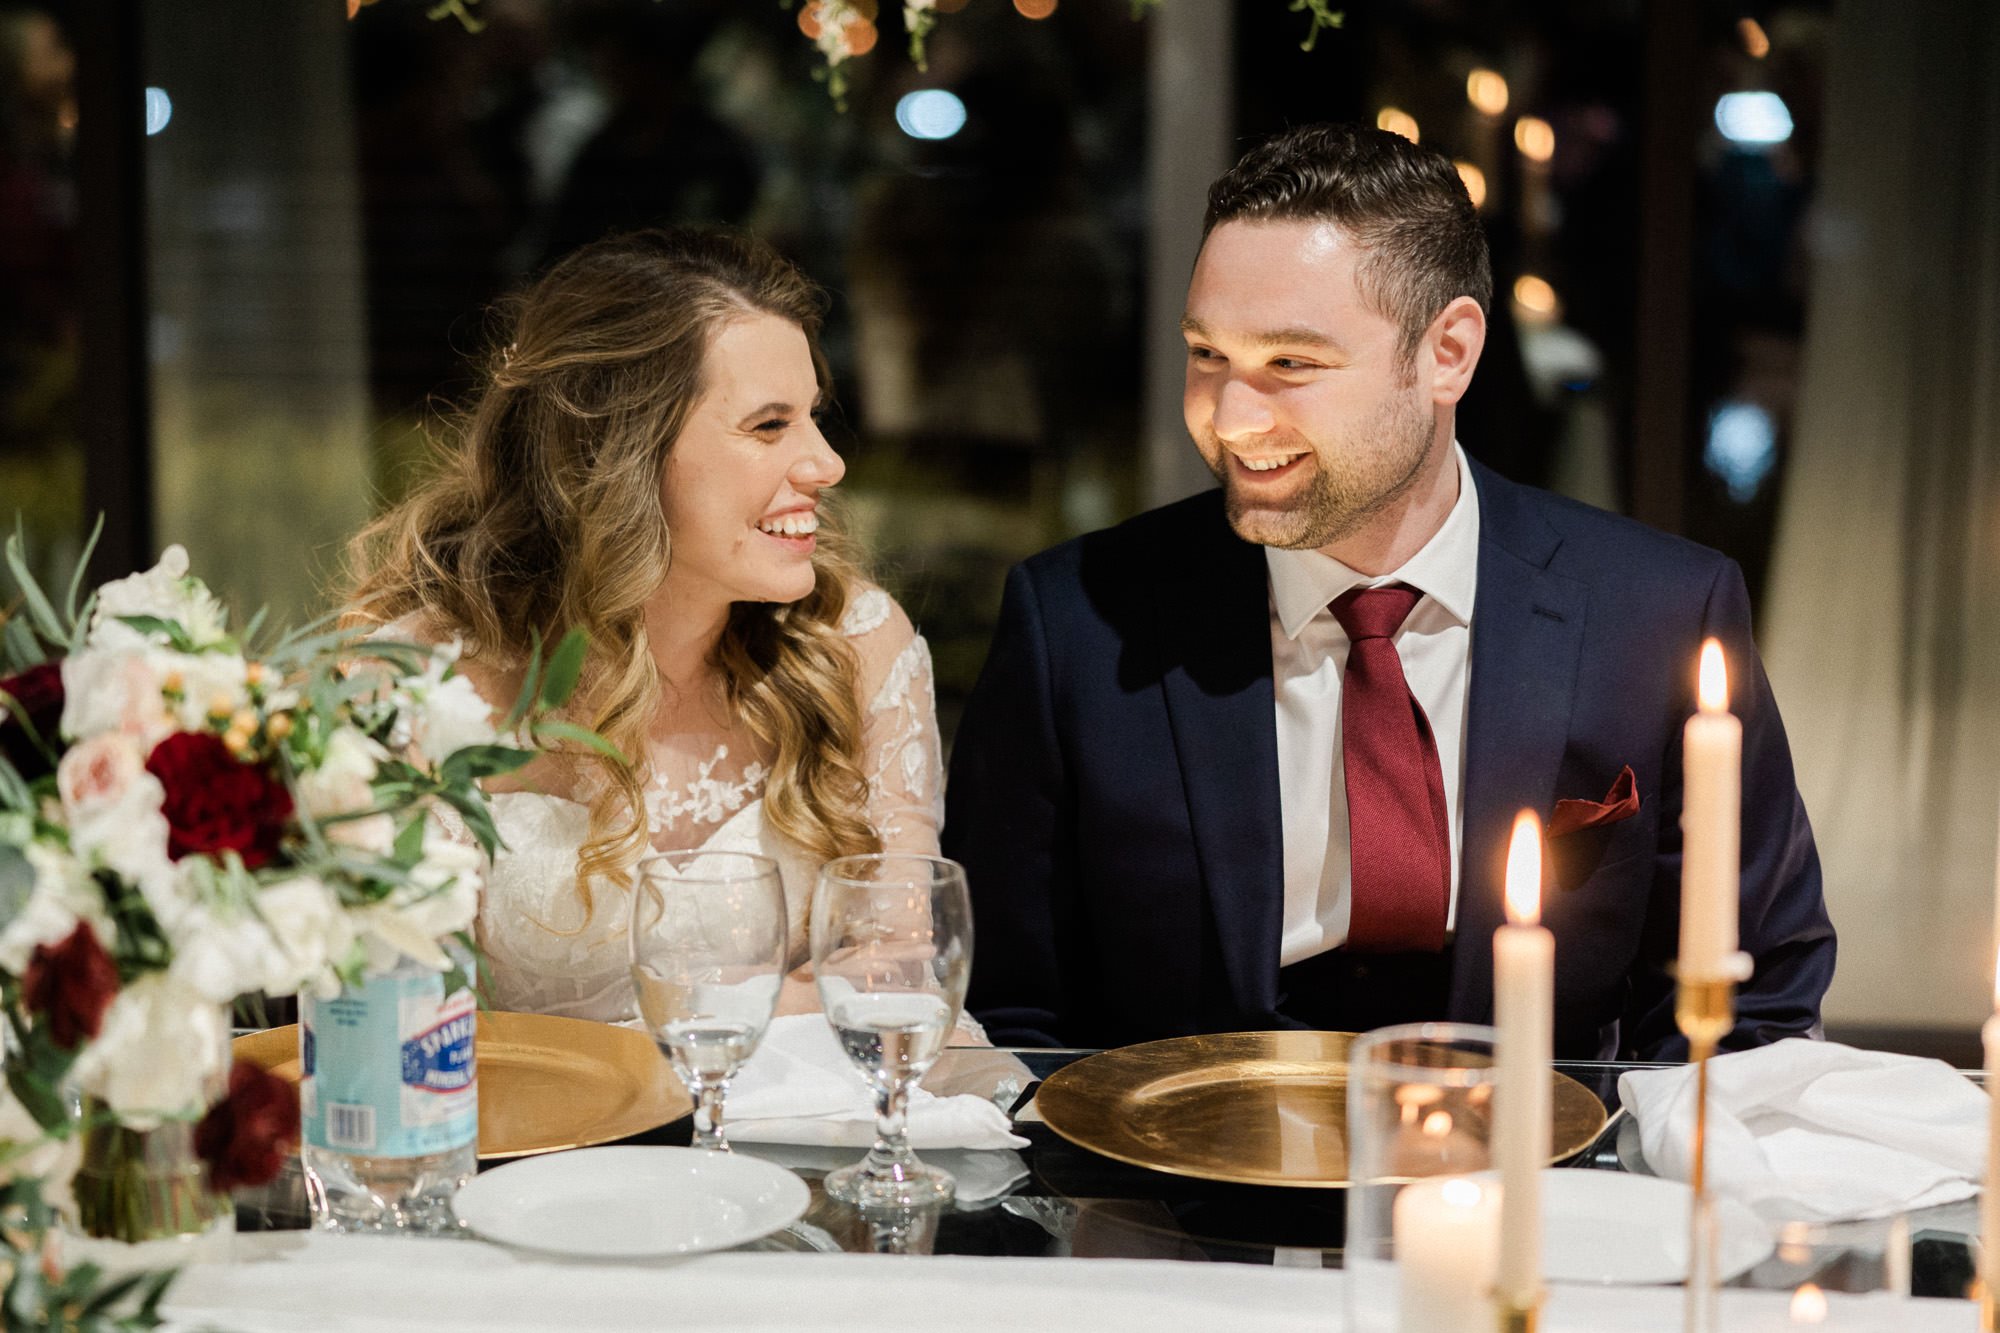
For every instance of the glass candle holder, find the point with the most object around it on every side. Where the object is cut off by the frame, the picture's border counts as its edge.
(1422, 1233)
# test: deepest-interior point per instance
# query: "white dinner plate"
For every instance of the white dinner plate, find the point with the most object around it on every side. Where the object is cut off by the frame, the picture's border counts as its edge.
(632, 1202)
(1610, 1227)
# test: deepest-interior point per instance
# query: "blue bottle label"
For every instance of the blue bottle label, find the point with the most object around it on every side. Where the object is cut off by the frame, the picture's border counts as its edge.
(389, 1070)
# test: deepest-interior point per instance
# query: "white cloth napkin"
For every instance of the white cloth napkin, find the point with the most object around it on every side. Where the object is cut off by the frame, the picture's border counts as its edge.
(800, 1087)
(1813, 1131)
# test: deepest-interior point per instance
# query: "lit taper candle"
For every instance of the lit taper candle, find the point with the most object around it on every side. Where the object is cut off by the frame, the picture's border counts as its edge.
(1524, 970)
(1711, 811)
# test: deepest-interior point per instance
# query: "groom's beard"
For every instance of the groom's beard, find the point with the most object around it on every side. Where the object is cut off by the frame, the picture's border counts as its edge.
(1350, 481)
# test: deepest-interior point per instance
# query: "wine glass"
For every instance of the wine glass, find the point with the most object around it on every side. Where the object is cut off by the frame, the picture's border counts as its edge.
(708, 957)
(892, 951)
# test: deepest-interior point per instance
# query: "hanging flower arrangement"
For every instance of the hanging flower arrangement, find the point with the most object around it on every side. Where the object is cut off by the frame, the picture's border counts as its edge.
(843, 30)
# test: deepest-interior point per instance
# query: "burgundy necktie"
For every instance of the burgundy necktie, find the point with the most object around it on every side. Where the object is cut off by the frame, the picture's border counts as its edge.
(1399, 834)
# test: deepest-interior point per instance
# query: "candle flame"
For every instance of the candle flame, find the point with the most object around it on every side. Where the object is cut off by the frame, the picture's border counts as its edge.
(1809, 1305)
(1714, 678)
(1437, 1124)
(1524, 871)
(1461, 1193)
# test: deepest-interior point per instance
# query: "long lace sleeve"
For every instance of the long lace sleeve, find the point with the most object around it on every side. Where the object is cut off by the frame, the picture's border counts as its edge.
(901, 752)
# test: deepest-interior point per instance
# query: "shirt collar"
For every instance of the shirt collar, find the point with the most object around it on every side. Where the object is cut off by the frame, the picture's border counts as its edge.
(1445, 569)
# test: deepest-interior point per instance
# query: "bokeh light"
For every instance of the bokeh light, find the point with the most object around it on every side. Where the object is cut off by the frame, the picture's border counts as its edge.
(1535, 137)
(930, 113)
(1475, 182)
(1487, 91)
(1397, 121)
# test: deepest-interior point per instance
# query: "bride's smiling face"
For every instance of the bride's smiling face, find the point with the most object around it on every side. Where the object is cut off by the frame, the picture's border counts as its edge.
(743, 480)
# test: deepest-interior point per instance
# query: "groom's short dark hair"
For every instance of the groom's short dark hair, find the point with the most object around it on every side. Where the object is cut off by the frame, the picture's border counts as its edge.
(1404, 204)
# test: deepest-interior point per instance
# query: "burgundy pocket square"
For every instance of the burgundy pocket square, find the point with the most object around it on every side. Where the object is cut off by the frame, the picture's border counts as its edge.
(1621, 802)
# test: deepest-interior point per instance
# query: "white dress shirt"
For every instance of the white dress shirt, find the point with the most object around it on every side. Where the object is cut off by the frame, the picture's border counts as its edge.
(1308, 657)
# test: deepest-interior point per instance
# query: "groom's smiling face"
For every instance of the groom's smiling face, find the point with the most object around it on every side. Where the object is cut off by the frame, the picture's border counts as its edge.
(1298, 394)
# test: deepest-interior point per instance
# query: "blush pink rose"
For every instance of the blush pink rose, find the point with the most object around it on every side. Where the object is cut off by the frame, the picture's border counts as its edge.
(98, 771)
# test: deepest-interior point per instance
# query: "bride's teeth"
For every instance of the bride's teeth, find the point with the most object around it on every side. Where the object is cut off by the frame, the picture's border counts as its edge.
(790, 525)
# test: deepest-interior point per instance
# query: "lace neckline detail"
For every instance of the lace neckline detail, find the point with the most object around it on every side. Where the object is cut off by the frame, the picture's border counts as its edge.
(706, 799)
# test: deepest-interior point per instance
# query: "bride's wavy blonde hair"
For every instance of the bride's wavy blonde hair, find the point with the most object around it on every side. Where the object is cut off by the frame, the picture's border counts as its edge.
(545, 516)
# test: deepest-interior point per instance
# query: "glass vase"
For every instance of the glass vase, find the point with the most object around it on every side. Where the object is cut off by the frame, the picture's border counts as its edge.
(141, 1197)
(142, 1185)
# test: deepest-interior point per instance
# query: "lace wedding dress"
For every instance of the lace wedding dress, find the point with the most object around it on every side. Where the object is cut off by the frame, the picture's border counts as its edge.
(548, 954)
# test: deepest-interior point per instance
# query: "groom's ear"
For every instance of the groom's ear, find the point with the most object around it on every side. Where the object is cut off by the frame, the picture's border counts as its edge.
(1455, 338)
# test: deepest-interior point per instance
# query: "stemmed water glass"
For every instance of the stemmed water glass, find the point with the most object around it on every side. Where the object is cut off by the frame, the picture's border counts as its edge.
(891, 951)
(708, 939)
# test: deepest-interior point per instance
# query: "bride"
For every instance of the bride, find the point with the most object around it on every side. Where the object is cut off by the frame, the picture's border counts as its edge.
(644, 463)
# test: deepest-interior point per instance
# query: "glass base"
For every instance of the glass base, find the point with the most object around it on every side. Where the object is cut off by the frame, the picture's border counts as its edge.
(899, 1182)
(214, 1243)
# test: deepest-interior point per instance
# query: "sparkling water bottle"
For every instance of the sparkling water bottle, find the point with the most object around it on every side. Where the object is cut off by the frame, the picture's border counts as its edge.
(389, 1094)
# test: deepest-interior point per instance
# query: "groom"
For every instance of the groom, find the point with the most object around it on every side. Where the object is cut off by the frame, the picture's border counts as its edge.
(1251, 760)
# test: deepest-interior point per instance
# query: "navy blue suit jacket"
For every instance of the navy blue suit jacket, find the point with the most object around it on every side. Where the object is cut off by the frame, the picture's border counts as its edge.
(1114, 783)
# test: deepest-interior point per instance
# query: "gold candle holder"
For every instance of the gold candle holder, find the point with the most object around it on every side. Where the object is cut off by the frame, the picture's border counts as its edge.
(1705, 1011)
(1516, 1315)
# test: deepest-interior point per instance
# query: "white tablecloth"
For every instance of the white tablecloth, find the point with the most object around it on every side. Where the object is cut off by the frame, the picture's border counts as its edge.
(301, 1283)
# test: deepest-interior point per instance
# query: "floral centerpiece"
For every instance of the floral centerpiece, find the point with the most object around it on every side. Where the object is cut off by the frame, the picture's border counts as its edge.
(188, 816)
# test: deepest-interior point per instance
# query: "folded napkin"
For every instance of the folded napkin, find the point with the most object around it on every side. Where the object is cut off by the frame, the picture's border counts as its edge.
(800, 1087)
(1813, 1131)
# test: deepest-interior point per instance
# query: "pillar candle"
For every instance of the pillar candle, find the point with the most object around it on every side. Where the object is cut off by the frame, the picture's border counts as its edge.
(1711, 809)
(1524, 1012)
(1445, 1244)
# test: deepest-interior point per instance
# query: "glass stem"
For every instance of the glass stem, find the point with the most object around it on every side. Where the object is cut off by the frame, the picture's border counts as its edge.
(892, 1145)
(708, 1115)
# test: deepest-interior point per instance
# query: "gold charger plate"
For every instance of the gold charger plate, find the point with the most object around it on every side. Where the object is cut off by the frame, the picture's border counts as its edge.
(1250, 1108)
(545, 1083)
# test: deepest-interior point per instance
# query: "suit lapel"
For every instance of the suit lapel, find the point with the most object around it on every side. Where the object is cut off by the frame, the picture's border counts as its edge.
(1215, 628)
(1527, 638)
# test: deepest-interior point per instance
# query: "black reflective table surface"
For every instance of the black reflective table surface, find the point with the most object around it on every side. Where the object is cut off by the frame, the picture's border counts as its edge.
(1055, 1199)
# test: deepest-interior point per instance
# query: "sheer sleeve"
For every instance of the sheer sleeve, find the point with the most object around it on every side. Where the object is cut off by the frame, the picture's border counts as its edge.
(901, 753)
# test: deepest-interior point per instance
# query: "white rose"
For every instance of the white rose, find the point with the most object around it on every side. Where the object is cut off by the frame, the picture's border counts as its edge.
(157, 592)
(312, 934)
(451, 715)
(457, 716)
(106, 691)
(440, 716)
(165, 592)
(339, 785)
(441, 900)
(220, 957)
(128, 835)
(158, 1048)
(63, 894)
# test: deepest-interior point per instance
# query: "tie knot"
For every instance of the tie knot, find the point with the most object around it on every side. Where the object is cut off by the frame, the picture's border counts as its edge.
(1374, 613)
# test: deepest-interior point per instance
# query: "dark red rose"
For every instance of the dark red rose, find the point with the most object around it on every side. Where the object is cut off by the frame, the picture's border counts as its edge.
(246, 1136)
(68, 986)
(215, 802)
(39, 692)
